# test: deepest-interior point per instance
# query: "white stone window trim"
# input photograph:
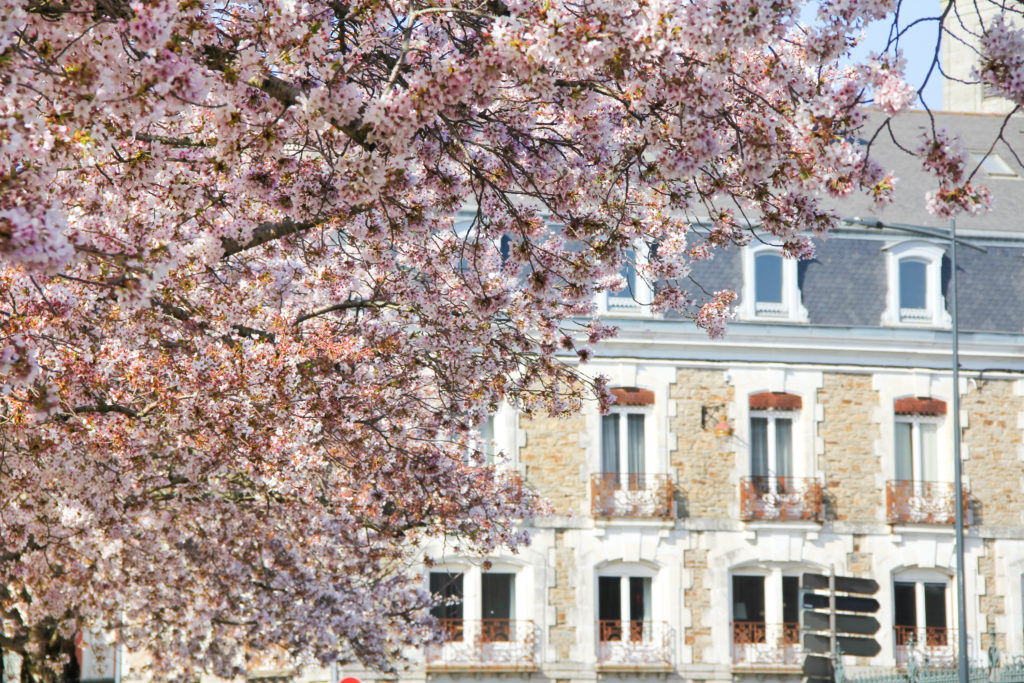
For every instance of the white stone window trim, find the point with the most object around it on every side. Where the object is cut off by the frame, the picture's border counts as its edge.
(630, 302)
(791, 308)
(934, 314)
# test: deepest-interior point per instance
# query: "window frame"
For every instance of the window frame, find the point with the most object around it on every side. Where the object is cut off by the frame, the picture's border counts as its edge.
(771, 457)
(934, 314)
(917, 465)
(635, 299)
(791, 308)
(622, 455)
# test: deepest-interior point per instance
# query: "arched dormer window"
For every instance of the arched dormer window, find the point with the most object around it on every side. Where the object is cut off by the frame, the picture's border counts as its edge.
(914, 278)
(770, 287)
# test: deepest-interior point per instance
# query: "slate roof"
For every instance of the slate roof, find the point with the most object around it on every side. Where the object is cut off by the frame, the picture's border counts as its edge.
(845, 283)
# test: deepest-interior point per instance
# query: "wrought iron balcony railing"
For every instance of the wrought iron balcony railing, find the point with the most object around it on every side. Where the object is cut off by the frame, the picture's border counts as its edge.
(633, 644)
(921, 502)
(780, 498)
(616, 494)
(759, 645)
(484, 644)
(927, 645)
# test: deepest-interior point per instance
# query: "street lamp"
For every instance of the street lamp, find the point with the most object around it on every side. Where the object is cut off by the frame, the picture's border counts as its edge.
(961, 600)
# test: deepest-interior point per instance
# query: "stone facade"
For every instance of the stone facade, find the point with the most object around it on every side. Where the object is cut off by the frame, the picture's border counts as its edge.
(701, 461)
(554, 463)
(851, 459)
(993, 442)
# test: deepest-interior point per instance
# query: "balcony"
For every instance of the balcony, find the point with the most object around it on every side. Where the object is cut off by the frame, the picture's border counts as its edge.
(484, 645)
(615, 494)
(921, 502)
(783, 499)
(928, 645)
(633, 645)
(757, 645)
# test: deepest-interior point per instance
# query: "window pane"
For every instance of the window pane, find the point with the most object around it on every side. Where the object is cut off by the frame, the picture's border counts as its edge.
(610, 443)
(448, 586)
(748, 598)
(929, 451)
(903, 452)
(639, 598)
(487, 439)
(905, 604)
(758, 446)
(609, 598)
(784, 447)
(628, 272)
(791, 599)
(912, 284)
(768, 278)
(935, 605)
(635, 445)
(499, 593)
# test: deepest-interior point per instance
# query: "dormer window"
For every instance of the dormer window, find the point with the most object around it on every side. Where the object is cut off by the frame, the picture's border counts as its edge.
(915, 286)
(768, 284)
(770, 287)
(636, 295)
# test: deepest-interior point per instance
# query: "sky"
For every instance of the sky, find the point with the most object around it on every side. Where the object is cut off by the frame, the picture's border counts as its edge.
(917, 44)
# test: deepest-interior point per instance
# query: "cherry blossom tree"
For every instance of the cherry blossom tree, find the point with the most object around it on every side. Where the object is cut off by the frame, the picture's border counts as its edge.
(246, 343)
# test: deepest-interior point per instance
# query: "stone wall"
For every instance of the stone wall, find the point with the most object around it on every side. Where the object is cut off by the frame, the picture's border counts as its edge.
(701, 461)
(562, 597)
(993, 467)
(555, 464)
(697, 599)
(849, 432)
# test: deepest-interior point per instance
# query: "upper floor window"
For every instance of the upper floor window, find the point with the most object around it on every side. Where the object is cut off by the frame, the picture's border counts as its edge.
(624, 432)
(918, 494)
(771, 433)
(770, 286)
(636, 293)
(915, 286)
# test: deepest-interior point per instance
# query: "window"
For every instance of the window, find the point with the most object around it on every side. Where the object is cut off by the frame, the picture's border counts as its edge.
(921, 611)
(771, 445)
(498, 605)
(624, 607)
(772, 414)
(915, 286)
(916, 448)
(765, 618)
(450, 587)
(636, 294)
(622, 447)
(993, 164)
(770, 286)
(918, 494)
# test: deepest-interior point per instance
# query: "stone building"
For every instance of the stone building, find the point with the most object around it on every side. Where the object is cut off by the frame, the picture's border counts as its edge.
(817, 434)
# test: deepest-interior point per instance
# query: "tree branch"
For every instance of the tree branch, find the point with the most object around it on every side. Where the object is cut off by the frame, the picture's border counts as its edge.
(345, 305)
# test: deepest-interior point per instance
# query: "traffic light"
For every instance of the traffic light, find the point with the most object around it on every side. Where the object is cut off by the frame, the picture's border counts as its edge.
(836, 621)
